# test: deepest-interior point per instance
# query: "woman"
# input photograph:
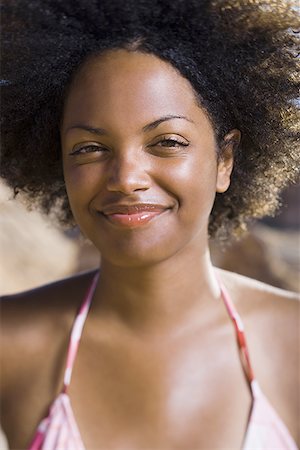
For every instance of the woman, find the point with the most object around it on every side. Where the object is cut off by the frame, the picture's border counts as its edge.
(153, 126)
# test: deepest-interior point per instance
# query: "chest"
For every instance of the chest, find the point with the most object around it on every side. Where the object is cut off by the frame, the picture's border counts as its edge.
(127, 395)
(148, 399)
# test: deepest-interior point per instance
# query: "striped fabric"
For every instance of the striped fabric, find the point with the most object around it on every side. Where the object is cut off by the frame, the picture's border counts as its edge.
(265, 430)
(59, 431)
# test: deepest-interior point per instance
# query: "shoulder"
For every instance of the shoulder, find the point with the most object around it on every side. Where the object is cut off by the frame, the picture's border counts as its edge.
(271, 320)
(35, 324)
(270, 316)
(28, 309)
(264, 307)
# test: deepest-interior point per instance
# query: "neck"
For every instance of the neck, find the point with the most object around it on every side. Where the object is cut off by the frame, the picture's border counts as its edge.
(161, 297)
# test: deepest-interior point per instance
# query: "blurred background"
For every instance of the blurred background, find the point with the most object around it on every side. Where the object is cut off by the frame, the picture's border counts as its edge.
(33, 251)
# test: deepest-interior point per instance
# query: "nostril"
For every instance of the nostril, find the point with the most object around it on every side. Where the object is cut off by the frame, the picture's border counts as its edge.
(127, 180)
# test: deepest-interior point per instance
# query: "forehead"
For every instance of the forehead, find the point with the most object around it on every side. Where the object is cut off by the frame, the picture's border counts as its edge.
(131, 86)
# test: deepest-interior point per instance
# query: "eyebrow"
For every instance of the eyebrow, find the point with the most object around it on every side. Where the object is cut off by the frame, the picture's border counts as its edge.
(90, 129)
(148, 127)
(157, 122)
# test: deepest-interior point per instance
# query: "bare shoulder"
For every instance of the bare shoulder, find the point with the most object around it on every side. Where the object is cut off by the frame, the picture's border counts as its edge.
(252, 296)
(265, 308)
(271, 318)
(35, 325)
(270, 315)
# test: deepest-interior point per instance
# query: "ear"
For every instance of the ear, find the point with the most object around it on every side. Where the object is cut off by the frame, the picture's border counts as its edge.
(225, 163)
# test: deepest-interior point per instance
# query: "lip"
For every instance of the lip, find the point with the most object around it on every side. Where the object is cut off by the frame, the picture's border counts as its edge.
(132, 215)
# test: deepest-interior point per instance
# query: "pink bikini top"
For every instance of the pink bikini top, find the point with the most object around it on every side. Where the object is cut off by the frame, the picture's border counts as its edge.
(59, 431)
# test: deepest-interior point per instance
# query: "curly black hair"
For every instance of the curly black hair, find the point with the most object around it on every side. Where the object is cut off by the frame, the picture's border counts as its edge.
(240, 56)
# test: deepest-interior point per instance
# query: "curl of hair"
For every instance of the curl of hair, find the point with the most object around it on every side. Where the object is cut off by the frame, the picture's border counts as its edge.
(240, 56)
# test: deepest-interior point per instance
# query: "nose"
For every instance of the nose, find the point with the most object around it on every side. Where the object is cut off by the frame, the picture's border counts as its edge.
(128, 174)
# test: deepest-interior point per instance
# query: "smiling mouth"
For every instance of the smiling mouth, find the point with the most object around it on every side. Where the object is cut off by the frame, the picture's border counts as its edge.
(132, 216)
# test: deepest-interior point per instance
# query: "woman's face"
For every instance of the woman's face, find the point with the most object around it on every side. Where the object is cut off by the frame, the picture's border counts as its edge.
(139, 158)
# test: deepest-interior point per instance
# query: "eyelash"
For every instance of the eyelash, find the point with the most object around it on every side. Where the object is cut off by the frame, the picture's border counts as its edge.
(83, 150)
(176, 143)
(171, 141)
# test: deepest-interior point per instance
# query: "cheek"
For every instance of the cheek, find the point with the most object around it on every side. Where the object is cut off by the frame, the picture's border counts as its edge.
(193, 181)
(201, 188)
(82, 184)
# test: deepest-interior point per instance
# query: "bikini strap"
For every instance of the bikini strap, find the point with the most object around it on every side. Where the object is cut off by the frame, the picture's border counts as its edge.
(77, 331)
(84, 309)
(240, 335)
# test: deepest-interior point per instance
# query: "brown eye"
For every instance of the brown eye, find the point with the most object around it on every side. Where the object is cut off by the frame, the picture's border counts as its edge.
(172, 143)
(88, 149)
(169, 147)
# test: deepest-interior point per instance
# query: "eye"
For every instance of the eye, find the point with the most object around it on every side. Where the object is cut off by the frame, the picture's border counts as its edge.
(172, 142)
(169, 146)
(86, 149)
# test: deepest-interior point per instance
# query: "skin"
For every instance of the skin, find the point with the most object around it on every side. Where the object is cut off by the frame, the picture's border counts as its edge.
(158, 366)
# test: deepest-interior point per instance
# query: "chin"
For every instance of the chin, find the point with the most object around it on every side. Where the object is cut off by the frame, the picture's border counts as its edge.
(130, 253)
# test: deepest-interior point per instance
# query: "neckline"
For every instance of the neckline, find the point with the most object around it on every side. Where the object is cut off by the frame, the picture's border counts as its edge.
(83, 311)
(78, 326)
